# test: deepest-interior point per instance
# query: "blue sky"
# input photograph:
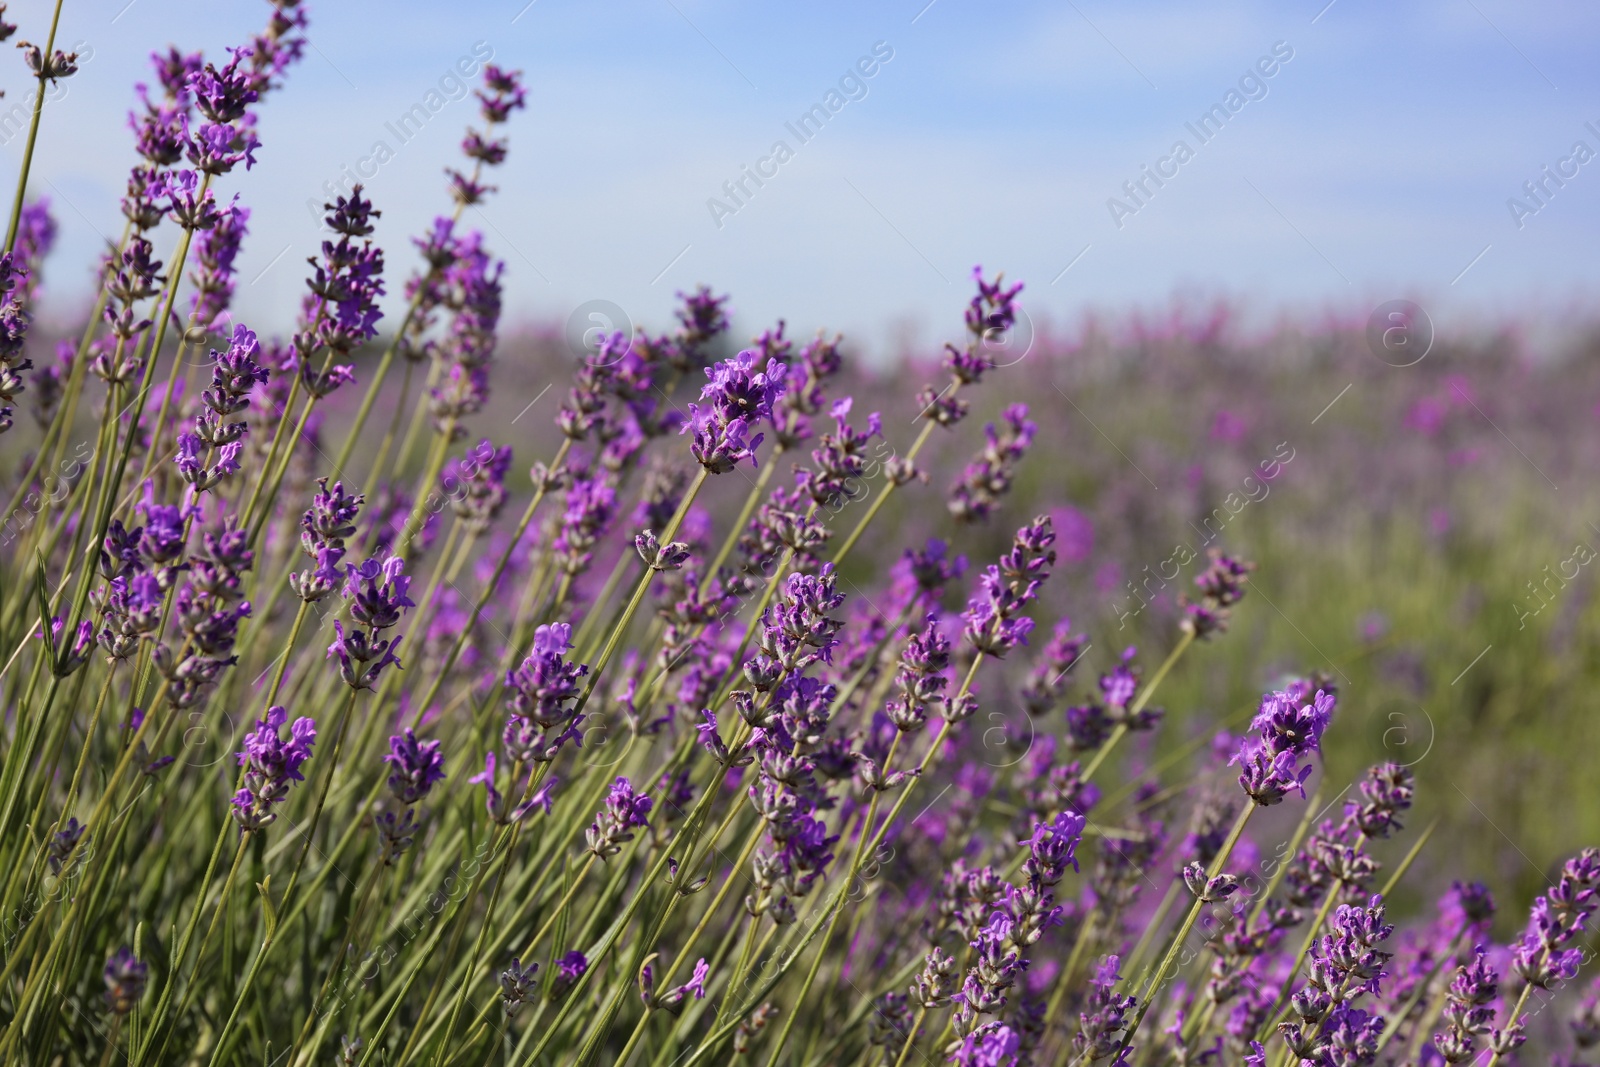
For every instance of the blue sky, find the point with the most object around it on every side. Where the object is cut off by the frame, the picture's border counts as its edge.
(1377, 165)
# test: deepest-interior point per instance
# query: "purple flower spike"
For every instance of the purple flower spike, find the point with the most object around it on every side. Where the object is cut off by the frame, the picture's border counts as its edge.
(1221, 586)
(625, 810)
(991, 1045)
(272, 764)
(377, 592)
(1546, 954)
(222, 95)
(988, 477)
(542, 695)
(125, 977)
(994, 626)
(672, 1000)
(417, 766)
(740, 396)
(569, 969)
(1286, 730)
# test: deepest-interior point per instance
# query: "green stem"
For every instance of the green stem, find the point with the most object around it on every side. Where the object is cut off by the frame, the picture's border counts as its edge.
(33, 130)
(1183, 930)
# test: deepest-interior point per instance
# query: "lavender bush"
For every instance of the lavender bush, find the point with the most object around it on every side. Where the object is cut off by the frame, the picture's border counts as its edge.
(697, 744)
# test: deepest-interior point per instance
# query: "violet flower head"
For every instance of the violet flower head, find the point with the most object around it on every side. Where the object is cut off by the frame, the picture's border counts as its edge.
(62, 843)
(218, 147)
(1104, 1017)
(125, 977)
(987, 479)
(818, 362)
(994, 623)
(1052, 848)
(739, 397)
(416, 766)
(993, 308)
(990, 1045)
(331, 518)
(569, 969)
(541, 695)
(922, 676)
(1345, 964)
(516, 986)
(214, 252)
(1467, 909)
(842, 462)
(625, 810)
(1469, 1010)
(222, 95)
(502, 93)
(272, 764)
(591, 505)
(672, 1000)
(543, 685)
(798, 630)
(499, 805)
(1546, 954)
(1221, 586)
(173, 71)
(1284, 731)
(1051, 674)
(340, 310)
(703, 317)
(476, 484)
(932, 567)
(1386, 794)
(184, 198)
(377, 594)
(235, 372)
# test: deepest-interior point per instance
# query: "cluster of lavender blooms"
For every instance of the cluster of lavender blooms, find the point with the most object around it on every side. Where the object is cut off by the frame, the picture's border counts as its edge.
(741, 803)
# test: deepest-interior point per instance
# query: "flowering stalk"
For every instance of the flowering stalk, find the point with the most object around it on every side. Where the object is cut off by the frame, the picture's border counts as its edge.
(48, 65)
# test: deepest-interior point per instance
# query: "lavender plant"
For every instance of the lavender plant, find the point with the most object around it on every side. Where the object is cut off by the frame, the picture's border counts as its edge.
(737, 796)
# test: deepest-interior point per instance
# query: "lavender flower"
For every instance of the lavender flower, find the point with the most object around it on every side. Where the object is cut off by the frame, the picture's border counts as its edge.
(377, 594)
(272, 764)
(988, 477)
(416, 766)
(818, 362)
(541, 695)
(516, 986)
(476, 484)
(62, 843)
(1105, 1016)
(625, 809)
(222, 94)
(797, 631)
(1052, 672)
(214, 251)
(499, 805)
(591, 504)
(1345, 964)
(841, 462)
(672, 1000)
(932, 567)
(1542, 956)
(125, 977)
(1221, 586)
(1468, 1010)
(1285, 731)
(569, 968)
(921, 678)
(994, 625)
(740, 396)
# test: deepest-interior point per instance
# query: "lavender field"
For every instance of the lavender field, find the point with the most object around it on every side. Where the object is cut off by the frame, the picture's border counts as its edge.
(438, 687)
